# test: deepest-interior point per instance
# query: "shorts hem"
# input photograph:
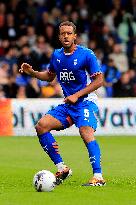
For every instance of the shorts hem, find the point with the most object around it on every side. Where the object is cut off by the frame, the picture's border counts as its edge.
(87, 126)
(64, 126)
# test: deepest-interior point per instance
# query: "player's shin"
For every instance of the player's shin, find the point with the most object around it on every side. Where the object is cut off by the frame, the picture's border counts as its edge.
(50, 146)
(95, 157)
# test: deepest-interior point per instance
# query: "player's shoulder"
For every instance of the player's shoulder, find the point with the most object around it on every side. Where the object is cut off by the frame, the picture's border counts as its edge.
(58, 51)
(85, 50)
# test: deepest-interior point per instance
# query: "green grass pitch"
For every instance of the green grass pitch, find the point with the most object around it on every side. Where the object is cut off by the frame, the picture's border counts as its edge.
(22, 157)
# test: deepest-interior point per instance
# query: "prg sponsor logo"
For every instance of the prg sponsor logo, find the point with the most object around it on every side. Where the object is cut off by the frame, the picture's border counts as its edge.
(66, 76)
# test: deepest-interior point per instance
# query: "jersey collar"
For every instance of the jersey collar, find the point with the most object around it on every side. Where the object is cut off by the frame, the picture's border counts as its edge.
(68, 54)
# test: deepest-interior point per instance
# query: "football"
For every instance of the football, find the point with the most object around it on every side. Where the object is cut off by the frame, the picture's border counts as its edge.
(44, 181)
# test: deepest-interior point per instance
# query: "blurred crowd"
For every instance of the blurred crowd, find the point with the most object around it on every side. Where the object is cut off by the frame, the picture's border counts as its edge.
(29, 33)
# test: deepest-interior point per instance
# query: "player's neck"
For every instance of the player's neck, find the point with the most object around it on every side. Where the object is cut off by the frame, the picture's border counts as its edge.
(71, 50)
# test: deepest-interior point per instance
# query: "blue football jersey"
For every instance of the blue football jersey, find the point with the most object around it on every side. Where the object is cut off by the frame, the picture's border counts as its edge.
(74, 71)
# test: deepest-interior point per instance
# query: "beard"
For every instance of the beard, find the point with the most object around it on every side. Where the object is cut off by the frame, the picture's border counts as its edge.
(66, 46)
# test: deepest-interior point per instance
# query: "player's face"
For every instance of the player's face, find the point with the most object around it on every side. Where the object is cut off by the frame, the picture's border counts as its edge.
(67, 36)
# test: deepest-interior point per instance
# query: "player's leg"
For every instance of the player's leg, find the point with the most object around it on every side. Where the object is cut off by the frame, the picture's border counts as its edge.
(87, 124)
(54, 120)
(46, 139)
(87, 134)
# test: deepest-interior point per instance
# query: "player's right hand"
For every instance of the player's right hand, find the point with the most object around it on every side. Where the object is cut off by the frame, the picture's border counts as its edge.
(26, 68)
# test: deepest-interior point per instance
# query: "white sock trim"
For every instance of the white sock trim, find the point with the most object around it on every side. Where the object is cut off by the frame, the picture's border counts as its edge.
(98, 175)
(60, 166)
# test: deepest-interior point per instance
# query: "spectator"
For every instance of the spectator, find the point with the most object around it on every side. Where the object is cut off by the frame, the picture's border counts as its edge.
(10, 30)
(120, 10)
(4, 44)
(12, 6)
(52, 90)
(2, 93)
(42, 22)
(111, 75)
(2, 18)
(92, 44)
(26, 56)
(21, 92)
(74, 17)
(96, 28)
(120, 58)
(32, 89)
(31, 10)
(40, 46)
(124, 87)
(31, 35)
(45, 57)
(22, 40)
(49, 33)
(56, 14)
(132, 58)
(22, 22)
(133, 80)
(132, 8)
(10, 58)
(4, 78)
(68, 9)
(127, 28)
(4, 74)
(109, 19)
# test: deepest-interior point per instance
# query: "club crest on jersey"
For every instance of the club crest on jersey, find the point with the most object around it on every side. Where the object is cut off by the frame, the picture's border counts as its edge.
(75, 61)
(58, 60)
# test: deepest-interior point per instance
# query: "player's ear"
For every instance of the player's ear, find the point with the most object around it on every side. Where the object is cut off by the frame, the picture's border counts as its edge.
(75, 36)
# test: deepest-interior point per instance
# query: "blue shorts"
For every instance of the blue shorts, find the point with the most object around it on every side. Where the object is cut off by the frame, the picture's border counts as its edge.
(81, 114)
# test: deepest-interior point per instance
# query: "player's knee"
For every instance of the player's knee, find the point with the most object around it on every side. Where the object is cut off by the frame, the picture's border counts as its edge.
(41, 128)
(87, 133)
(84, 131)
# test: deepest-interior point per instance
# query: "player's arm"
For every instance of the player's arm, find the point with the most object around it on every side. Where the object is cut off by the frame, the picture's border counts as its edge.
(44, 76)
(98, 81)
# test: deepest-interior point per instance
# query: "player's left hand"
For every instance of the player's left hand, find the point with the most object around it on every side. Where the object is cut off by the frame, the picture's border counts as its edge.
(71, 99)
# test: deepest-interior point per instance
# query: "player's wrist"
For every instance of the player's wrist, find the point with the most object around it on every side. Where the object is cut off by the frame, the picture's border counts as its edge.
(33, 73)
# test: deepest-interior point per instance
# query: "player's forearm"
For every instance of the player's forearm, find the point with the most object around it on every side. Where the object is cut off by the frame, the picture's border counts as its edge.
(44, 76)
(97, 83)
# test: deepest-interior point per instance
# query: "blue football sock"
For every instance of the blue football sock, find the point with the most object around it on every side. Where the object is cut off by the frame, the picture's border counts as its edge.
(94, 156)
(50, 146)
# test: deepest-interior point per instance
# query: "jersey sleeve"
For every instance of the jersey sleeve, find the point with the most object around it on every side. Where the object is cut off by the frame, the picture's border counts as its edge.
(51, 66)
(93, 66)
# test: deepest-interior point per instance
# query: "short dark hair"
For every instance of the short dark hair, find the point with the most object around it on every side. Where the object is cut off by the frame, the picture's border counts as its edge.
(68, 23)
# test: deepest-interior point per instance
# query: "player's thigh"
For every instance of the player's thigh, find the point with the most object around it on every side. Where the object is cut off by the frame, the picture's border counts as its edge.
(48, 123)
(61, 113)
